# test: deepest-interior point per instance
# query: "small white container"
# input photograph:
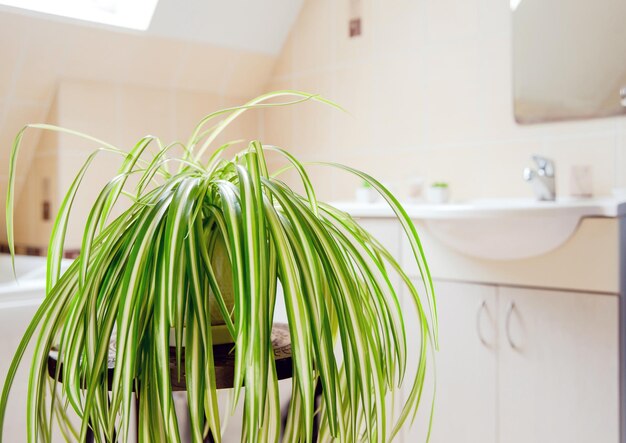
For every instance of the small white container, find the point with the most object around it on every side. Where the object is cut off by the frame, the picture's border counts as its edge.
(416, 189)
(438, 194)
(366, 195)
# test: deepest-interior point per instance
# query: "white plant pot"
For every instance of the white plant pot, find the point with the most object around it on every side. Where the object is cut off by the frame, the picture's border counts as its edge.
(366, 195)
(223, 272)
(438, 195)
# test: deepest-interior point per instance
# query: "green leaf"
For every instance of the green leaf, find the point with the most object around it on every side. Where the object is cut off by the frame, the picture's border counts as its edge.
(217, 242)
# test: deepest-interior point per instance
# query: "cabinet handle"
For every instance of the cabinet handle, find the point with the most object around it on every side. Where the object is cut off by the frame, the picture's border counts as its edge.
(479, 331)
(509, 314)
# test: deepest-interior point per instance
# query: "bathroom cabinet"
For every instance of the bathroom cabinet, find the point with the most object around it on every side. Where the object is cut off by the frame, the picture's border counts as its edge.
(528, 349)
(520, 365)
(558, 366)
(517, 363)
(466, 368)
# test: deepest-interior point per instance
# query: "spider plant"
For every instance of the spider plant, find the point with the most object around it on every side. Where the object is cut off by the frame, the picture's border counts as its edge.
(216, 241)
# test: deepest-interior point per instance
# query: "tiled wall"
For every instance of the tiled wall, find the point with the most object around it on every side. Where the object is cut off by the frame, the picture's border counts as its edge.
(428, 86)
(119, 114)
(38, 54)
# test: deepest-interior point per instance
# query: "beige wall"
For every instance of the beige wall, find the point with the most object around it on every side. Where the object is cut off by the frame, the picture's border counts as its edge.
(429, 88)
(38, 55)
(39, 179)
(427, 85)
(119, 114)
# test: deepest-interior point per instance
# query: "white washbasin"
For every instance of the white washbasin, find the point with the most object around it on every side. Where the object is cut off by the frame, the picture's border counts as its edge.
(499, 229)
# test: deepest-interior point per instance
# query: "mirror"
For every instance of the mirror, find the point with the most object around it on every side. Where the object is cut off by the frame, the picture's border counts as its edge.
(569, 59)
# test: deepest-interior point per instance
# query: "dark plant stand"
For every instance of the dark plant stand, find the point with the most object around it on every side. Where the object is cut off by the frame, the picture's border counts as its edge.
(224, 360)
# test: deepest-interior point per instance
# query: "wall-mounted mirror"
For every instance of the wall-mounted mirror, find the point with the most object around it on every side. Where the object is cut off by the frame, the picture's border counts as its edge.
(569, 59)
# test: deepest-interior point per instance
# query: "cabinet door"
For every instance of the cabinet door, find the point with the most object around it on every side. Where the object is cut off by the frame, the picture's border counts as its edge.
(465, 402)
(558, 367)
(386, 231)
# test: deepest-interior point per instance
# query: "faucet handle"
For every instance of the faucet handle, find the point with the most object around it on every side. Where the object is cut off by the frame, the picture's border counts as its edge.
(545, 165)
(529, 174)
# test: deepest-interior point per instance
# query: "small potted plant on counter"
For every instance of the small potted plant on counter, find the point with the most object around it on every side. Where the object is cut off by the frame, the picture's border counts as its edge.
(438, 192)
(202, 252)
(366, 193)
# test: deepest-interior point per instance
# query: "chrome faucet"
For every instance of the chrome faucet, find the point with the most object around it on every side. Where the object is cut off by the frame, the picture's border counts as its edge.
(542, 179)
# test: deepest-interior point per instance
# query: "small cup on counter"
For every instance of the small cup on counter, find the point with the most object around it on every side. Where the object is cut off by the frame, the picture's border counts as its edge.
(438, 192)
(416, 189)
(366, 194)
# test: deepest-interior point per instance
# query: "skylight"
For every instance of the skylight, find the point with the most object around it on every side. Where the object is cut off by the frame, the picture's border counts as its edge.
(133, 14)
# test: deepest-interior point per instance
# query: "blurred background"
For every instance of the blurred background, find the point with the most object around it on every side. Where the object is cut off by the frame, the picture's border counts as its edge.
(428, 86)
(452, 96)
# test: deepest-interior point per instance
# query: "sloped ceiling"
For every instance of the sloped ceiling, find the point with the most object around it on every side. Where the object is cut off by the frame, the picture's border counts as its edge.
(260, 26)
(257, 26)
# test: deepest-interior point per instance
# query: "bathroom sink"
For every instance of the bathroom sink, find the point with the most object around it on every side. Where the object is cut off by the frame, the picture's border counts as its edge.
(499, 229)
